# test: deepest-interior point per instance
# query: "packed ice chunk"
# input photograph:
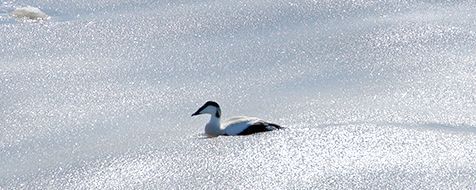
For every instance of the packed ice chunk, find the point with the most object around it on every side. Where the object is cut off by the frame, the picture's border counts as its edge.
(29, 13)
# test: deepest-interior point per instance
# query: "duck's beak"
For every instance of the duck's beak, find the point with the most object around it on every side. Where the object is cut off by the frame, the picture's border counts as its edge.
(196, 113)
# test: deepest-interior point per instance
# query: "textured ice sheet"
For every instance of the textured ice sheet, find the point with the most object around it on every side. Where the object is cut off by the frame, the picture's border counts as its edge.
(329, 156)
(376, 94)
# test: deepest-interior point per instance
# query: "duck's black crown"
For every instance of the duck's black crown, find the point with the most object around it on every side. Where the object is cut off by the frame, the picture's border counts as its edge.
(211, 103)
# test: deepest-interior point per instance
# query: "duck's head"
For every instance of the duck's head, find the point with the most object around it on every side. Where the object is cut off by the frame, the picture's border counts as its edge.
(209, 107)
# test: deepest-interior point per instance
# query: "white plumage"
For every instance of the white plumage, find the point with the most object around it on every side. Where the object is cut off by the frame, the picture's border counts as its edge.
(235, 125)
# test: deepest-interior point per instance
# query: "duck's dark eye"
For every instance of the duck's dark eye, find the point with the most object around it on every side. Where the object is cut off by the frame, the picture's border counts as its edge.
(217, 114)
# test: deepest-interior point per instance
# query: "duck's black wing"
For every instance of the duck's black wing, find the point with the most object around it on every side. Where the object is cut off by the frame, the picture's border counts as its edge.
(258, 127)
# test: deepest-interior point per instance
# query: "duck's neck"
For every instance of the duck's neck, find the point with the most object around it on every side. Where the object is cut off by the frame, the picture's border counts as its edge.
(213, 126)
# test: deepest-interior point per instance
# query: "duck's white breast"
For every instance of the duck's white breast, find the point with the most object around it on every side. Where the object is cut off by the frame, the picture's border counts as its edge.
(236, 125)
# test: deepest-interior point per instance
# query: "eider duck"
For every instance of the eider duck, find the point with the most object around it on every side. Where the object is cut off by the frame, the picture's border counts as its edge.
(240, 125)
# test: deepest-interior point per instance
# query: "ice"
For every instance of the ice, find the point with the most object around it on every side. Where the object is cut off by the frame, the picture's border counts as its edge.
(374, 94)
(29, 13)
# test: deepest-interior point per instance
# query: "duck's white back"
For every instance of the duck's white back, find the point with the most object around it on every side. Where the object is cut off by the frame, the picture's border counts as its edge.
(236, 125)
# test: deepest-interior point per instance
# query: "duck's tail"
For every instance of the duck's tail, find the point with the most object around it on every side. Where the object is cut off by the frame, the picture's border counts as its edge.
(275, 126)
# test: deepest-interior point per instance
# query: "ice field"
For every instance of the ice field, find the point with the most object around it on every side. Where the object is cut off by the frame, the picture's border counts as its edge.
(374, 94)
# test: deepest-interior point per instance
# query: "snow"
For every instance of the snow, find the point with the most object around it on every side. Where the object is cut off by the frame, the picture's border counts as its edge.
(374, 94)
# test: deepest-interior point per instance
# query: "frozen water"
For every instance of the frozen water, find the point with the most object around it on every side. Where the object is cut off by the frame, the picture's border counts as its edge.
(374, 94)
(29, 13)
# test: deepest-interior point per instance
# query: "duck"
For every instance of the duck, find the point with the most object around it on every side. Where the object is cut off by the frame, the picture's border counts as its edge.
(238, 125)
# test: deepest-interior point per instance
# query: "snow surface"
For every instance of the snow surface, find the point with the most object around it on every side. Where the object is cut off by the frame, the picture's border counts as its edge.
(375, 94)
